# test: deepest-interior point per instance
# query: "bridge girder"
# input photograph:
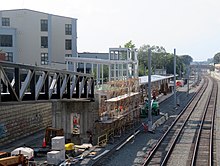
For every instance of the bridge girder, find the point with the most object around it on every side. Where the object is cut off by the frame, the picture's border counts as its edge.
(21, 82)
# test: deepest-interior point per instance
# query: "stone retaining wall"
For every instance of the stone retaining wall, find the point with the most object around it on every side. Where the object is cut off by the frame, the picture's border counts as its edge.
(17, 121)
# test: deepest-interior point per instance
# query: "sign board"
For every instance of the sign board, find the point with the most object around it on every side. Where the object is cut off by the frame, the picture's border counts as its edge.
(75, 123)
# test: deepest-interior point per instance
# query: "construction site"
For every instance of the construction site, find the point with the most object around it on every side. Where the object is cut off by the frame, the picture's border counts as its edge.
(115, 110)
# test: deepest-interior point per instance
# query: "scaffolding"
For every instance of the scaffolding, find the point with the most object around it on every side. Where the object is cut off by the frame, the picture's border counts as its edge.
(119, 107)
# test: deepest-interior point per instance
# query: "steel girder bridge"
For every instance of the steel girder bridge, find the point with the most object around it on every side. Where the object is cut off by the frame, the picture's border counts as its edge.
(21, 82)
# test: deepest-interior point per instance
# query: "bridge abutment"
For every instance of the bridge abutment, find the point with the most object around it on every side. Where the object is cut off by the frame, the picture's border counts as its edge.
(76, 117)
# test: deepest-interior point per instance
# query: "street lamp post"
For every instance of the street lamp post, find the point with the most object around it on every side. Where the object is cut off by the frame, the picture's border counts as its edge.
(149, 92)
(188, 73)
(144, 58)
(174, 78)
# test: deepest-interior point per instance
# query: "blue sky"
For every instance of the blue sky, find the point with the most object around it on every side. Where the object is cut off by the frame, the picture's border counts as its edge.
(190, 26)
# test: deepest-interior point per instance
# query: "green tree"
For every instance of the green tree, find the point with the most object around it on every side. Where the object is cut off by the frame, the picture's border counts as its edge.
(217, 58)
(129, 45)
(160, 59)
(105, 72)
(185, 62)
(142, 58)
(123, 54)
(186, 59)
(158, 56)
(169, 63)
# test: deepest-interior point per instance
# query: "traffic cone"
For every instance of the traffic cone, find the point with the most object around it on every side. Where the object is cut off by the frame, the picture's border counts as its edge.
(44, 143)
(145, 127)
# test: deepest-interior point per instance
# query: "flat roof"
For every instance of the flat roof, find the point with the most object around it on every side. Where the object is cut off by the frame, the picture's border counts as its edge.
(118, 98)
(99, 61)
(154, 78)
(36, 12)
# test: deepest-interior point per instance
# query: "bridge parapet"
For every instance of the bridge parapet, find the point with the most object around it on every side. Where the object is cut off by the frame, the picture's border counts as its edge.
(21, 82)
(202, 66)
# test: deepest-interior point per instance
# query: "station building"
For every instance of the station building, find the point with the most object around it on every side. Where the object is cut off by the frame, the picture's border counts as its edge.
(37, 38)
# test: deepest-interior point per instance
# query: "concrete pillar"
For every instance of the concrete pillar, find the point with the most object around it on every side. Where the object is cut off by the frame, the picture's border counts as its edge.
(62, 112)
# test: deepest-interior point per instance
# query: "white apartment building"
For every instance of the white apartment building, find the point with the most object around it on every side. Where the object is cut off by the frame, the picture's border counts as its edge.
(36, 38)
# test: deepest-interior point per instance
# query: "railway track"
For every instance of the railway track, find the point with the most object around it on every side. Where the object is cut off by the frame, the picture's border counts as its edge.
(112, 153)
(203, 149)
(164, 152)
(132, 135)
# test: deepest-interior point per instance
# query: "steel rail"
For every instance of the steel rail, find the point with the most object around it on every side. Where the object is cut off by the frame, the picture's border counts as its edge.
(99, 160)
(118, 146)
(150, 156)
(198, 138)
(178, 134)
(212, 127)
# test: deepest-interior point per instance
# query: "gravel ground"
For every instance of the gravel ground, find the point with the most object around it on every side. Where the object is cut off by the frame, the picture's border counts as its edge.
(181, 153)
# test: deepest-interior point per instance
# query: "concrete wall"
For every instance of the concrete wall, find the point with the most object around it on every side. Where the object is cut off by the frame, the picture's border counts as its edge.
(17, 121)
(88, 112)
(20, 120)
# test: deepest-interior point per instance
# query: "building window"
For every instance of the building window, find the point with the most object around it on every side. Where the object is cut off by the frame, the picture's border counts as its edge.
(6, 41)
(68, 44)
(44, 25)
(9, 56)
(44, 58)
(68, 55)
(68, 29)
(5, 21)
(44, 42)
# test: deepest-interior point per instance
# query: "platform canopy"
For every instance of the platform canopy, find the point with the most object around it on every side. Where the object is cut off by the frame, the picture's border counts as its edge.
(154, 78)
